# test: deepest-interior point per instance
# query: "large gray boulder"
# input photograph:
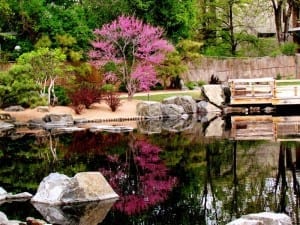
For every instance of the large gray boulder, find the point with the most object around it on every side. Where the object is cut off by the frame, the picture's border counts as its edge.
(263, 218)
(186, 101)
(214, 94)
(52, 121)
(149, 109)
(4, 196)
(172, 110)
(57, 189)
(14, 108)
(4, 126)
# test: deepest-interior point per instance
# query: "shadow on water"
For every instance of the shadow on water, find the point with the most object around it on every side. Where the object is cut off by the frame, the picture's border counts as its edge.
(204, 170)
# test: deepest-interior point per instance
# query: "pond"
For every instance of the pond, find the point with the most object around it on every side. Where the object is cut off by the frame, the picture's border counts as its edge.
(205, 173)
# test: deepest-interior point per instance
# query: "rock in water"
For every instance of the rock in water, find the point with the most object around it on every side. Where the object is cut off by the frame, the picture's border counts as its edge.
(57, 189)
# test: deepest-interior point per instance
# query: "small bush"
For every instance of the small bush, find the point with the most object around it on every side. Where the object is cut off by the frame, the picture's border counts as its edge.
(108, 87)
(201, 83)
(278, 76)
(214, 80)
(85, 96)
(113, 100)
(289, 48)
(158, 86)
(191, 85)
(62, 97)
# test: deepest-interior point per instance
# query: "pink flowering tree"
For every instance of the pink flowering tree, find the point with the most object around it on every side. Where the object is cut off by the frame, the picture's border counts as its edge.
(135, 47)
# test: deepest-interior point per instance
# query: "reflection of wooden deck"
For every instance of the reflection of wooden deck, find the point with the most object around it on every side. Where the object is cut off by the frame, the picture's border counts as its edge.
(264, 91)
(265, 128)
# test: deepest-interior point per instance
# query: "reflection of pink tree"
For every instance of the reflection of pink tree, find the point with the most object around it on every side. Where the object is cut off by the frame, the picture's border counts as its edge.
(142, 180)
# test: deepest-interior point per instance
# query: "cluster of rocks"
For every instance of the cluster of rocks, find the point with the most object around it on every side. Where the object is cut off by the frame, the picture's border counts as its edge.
(179, 113)
(174, 107)
(58, 197)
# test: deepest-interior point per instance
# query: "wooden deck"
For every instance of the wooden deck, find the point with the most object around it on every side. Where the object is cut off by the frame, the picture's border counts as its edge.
(266, 91)
(265, 128)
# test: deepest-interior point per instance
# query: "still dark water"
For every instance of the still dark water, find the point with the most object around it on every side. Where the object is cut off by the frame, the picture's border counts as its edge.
(185, 177)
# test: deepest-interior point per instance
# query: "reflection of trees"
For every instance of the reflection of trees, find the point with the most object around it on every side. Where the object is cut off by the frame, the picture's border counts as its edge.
(139, 176)
(219, 181)
(286, 162)
(23, 161)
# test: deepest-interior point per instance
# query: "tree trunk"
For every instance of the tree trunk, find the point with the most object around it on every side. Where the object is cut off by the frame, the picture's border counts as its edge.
(278, 17)
(286, 19)
(231, 30)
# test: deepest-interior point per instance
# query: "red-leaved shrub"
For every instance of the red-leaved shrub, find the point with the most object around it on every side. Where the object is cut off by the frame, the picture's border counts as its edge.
(84, 96)
(112, 99)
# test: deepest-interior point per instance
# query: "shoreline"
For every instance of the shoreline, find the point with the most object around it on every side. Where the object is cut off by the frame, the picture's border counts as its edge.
(98, 111)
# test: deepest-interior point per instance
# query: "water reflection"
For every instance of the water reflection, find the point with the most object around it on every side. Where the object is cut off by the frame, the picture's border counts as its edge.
(139, 176)
(91, 213)
(183, 177)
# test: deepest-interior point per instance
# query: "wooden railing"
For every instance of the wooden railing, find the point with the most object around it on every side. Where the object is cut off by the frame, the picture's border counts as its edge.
(264, 91)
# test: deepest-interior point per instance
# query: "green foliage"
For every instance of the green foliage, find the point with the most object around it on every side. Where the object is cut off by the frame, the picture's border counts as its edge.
(259, 48)
(108, 87)
(178, 18)
(289, 48)
(189, 50)
(221, 49)
(66, 42)
(5, 15)
(17, 87)
(201, 83)
(62, 96)
(278, 76)
(191, 85)
(101, 12)
(44, 63)
(43, 42)
(171, 67)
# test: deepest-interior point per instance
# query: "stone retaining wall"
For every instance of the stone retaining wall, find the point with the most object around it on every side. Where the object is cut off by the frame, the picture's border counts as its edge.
(229, 68)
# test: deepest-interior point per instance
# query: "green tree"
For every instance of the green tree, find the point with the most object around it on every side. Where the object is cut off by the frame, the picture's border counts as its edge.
(5, 15)
(45, 66)
(104, 11)
(17, 87)
(225, 25)
(176, 63)
(178, 18)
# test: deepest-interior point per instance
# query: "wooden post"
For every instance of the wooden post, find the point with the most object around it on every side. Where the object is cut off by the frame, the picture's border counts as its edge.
(232, 86)
(274, 88)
